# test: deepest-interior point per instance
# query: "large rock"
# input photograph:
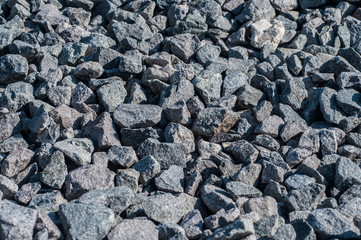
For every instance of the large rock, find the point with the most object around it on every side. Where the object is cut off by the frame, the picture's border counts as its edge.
(111, 95)
(16, 95)
(329, 223)
(79, 150)
(16, 161)
(134, 229)
(137, 115)
(350, 101)
(214, 120)
(347, 174)
(86, 221)
(16, 222)
(208, 85)
(55, 171)
(256, 10)
(164, 208)
(167, 154)
(184, 45)
(87, 178)
(267, 32)
(216, 198)
(13, 68)
(329, 108)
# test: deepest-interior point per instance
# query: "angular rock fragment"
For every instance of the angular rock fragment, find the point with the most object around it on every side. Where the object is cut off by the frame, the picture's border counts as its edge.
(132, 229)
(79, 150)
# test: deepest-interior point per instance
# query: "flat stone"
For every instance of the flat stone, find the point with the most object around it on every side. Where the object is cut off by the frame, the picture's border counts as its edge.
(87, 178)
(49, 201)
(86, 221)
(329, 223)
(249, 97)
(238, 229)
(137, 115)
(16, 95)
(270, 126)
(171, 180)
(122, 156)
(16, 222)
(298, 181)
(164, 208)
(133, 229)
(264, 206)
(214, 120)
(79, 150)
(291, 129)
(240, 189)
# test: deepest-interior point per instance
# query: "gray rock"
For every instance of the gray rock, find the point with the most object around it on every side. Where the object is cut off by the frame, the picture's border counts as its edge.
(133, 229)
(86, 221)
(294, 93)
(267, 142)
(16, 95)
(181, 90)
(131, 62)
(117, 198)
(128, 178)
(102, 132)
(329, 223)
(298, 181)
(303, 230)
(350, 101)
(267, 226)
(232, 82)
(164, 208)
(208, 85)
(214, 120)
(208, 53)
(243, 151)
(122, 156)
(272, 172)
(239, 189)
(59, 95)
(238, 229)
(347, 173)
(221, 218)
(310, 140)
(178, 113)
(297, 155)
(159, 58)
(184, 45)
(349, 80)
(148, 168)
(66, 117)
(249, 97)
(285, 232)
(285, 5)
(88, 70)
(270, 126)
(256, 10)
(27, 192)
(353, 192)
(134, 137)
(79, 150)
(264, 206)
(16, 161)
(176, 133)
(55, 171)
(137, 115)
(216, 198)
(87, 178)
(328, 142)
(276, 190)
(171, 180)
(249, 174)
(49, 201)
(7, 187)
(192, 224)
(306, 198)
(351, 208)
(16, 222)
(14, 68)
(71, 53)
(166, 154)
(111, 95)
(10, 124)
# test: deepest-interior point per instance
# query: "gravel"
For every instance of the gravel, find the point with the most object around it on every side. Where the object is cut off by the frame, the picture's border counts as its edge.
(175, 119)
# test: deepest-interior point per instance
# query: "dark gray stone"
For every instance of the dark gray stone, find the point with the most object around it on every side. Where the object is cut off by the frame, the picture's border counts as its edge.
(216, 198)
(184, 45)
(240, 189)
(249, 97)
(256, 10)
(244, 152)
(122, 156)
(137, 115)
(7, 187)
(192, 224)
(328, 104)
(135, 137)
(171, 180)
(306, 198)
(55, 171)
(127, 177)
(350, 101)
(238, 229)
(131, 62)
(294, 93)
(88, 70)
(16, 95)
(347, 173)
(148, 168)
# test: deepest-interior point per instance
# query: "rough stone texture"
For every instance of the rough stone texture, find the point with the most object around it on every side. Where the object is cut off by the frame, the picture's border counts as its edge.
(111, 95)
(87, 178)
(55, 171)
(267, 32)
(208, 85)
(16, 222)
(136, 115)
(86, 221)
(79, 150)
(347, 173)
(122, 156)
(132, 229)
(16, 161)
(216, 198)
(171, 180)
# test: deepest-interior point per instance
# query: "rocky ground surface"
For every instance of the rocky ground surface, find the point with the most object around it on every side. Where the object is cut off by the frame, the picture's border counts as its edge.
(174, 119)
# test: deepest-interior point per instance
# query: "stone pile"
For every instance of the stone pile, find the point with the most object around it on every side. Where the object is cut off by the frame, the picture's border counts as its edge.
(180, 119)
